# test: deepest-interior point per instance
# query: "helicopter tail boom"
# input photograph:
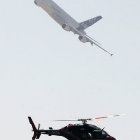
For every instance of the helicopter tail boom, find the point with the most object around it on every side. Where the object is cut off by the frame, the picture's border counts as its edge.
(38, 132)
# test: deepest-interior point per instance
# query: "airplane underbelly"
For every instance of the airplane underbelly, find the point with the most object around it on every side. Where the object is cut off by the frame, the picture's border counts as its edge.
(60, 20)
(63, 18)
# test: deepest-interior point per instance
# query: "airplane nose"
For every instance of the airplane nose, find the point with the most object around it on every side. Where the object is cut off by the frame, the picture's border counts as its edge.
(110, 138)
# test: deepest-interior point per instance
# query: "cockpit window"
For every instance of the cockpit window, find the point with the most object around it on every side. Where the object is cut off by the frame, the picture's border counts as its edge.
(104, 132)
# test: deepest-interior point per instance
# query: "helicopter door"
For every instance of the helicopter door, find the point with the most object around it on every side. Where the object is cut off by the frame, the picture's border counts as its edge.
(97, 134)
(84, 135)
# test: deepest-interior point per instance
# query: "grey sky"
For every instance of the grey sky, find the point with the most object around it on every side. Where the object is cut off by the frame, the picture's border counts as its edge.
(49, 74)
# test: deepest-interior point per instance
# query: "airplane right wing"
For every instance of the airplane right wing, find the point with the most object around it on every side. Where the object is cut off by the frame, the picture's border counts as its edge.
(84, 25)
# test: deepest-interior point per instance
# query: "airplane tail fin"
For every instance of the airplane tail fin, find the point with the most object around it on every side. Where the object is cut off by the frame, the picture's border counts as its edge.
(37, 133)
(88, 23)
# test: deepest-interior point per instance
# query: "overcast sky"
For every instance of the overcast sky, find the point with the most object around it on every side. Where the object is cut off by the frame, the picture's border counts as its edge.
(47, 73)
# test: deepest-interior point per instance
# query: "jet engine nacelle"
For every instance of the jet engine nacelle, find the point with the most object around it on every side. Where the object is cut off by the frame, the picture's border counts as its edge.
(66, 27)
(82, 39)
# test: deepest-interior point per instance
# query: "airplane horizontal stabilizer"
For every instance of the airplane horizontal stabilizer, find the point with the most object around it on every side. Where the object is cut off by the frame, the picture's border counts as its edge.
(88, 23)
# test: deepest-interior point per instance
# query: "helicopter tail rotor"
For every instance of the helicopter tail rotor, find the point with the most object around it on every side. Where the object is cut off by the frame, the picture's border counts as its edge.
(37, 133)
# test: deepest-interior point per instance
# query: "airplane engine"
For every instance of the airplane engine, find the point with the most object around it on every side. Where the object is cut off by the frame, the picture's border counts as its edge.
(66, 27)
(82, 39)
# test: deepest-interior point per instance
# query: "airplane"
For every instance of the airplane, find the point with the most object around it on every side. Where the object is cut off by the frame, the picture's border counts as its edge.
(82, 131)
(68, 23)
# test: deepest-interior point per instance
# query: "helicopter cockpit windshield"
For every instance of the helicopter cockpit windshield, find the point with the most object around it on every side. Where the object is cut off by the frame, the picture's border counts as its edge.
(96, 133)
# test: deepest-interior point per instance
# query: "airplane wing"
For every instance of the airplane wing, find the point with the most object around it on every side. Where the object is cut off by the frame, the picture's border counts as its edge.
(84, 25)
(92, 41)
(89, 39)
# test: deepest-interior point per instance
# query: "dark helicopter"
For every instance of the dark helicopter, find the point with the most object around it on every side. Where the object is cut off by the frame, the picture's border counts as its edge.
(82, 131)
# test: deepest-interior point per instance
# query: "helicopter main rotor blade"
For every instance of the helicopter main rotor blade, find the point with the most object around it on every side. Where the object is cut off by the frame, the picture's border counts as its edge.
(105, 117)
(92, 119)
(64, 120)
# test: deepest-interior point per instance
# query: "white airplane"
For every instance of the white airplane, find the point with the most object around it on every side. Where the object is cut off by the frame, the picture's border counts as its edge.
(68, 23)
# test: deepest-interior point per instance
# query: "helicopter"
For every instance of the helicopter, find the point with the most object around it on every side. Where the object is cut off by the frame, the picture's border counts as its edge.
(82, 131)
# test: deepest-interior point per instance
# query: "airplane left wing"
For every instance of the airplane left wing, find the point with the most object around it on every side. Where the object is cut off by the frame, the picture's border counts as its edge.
(85, 38)
(92, 41)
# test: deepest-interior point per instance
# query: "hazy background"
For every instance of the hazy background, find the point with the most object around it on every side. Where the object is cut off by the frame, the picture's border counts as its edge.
(47, 73)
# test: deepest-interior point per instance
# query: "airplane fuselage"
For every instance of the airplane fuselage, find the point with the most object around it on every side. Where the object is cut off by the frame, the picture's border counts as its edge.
(57, 13)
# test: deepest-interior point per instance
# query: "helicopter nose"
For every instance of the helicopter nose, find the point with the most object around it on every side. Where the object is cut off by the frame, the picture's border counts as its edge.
(110, 138)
